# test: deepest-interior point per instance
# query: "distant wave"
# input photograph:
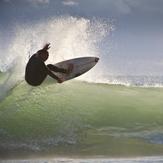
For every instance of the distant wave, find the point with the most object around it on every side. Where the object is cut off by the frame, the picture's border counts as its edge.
(134, 81)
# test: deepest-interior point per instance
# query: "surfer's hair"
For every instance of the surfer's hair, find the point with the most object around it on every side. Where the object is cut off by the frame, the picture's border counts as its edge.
(42, 51)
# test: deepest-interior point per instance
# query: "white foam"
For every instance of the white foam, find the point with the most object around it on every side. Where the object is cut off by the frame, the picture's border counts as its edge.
(70, 37)
(156, 159)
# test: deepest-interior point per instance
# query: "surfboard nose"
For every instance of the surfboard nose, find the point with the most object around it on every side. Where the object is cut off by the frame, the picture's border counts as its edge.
(96, 59)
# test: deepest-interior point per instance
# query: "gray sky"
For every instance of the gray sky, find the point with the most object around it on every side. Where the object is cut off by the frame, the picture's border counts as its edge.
(137, 38)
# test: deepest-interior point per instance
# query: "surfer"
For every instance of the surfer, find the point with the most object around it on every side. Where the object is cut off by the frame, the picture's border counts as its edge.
(36, 70)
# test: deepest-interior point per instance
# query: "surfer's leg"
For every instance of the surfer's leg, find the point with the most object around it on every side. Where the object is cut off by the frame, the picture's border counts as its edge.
(56, 69)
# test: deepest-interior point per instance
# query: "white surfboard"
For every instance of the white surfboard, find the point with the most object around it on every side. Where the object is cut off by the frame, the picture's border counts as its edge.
(80, 66)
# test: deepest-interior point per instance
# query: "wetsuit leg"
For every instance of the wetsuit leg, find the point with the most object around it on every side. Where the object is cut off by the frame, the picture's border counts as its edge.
(56, 69)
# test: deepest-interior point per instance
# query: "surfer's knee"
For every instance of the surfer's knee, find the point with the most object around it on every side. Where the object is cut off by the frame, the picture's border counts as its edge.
(51, 67)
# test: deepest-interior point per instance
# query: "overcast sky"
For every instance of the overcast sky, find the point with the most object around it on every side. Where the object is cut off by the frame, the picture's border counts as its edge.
(138, 34)
(147, 12)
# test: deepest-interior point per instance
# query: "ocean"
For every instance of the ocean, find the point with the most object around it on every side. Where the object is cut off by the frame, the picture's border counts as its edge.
(81, 119)
(100, 117)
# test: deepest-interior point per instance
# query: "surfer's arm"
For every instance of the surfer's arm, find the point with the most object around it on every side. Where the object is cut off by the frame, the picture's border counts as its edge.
(53, 76)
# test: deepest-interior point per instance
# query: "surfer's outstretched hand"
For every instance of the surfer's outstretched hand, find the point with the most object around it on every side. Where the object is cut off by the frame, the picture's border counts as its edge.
(46, 46)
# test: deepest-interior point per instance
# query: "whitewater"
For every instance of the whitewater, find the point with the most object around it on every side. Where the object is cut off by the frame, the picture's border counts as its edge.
(98, 115)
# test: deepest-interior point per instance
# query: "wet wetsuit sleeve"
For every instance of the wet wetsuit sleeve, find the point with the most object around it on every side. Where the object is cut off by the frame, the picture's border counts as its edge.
(51, 74)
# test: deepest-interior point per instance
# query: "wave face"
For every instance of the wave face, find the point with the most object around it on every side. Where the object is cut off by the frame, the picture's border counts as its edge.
(81, 119)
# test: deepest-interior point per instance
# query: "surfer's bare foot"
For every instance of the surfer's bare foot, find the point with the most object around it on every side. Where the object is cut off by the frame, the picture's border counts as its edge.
(70, 68)
(60, 80)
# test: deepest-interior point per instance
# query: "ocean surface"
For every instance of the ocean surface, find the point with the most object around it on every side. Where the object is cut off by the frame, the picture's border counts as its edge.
(79, 119)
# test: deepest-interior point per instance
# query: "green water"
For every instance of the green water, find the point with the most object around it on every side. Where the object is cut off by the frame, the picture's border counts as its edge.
(81, 119)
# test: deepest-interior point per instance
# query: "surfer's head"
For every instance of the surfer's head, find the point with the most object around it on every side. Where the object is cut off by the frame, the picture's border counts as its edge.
(43, 54)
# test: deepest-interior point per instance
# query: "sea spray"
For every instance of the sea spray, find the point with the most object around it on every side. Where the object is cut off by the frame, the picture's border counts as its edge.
(70, 37)
(10, 79)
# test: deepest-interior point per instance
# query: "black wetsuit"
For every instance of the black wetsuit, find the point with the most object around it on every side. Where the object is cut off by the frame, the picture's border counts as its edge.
(36, 71)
